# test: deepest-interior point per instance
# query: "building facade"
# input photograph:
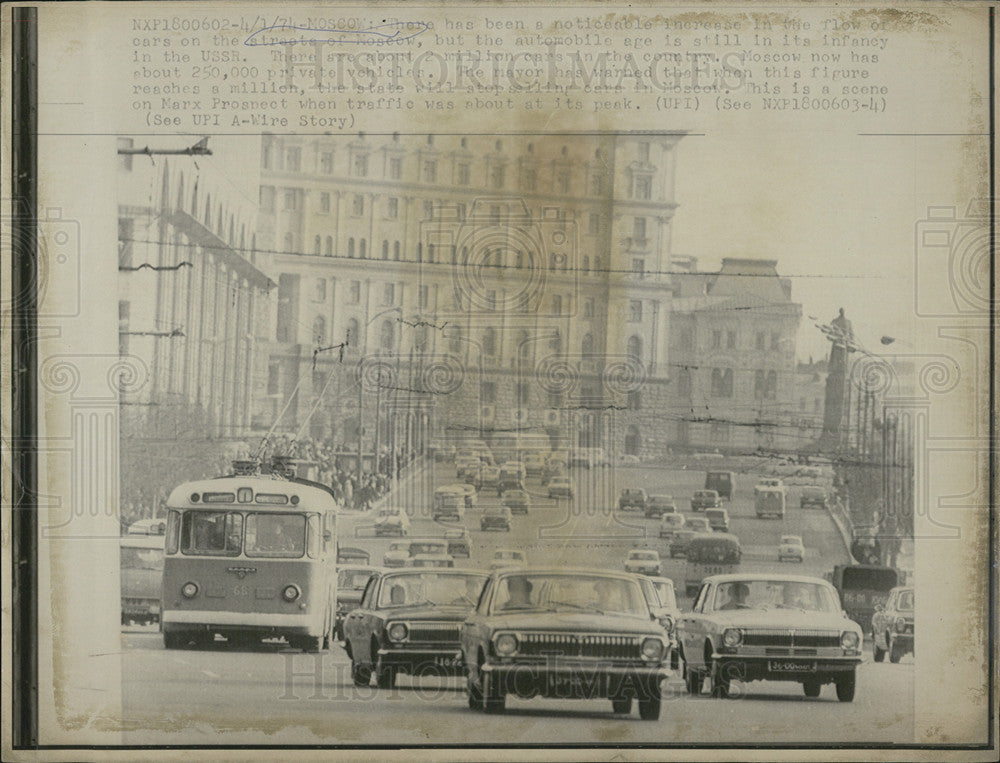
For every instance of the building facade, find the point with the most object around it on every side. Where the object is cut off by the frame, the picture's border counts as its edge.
(733, 356)
(189, 305)
(448, 284)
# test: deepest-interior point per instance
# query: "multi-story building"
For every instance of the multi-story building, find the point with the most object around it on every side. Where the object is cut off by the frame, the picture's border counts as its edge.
(189, 301)
(732, 345)
(809, 397)
(480, 284)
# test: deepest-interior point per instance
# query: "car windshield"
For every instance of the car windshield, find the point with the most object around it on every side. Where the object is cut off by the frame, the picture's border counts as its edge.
(792, 540)
(355, 580)
(568, 592)
(434, 588)
(665, 591)
(697, 524)
(424, 547)
(905, 602)
(775, 594)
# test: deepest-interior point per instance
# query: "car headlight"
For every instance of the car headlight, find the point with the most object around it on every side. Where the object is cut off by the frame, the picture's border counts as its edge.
(189, 590)
(505, 644)
(398, 632)
(652, 649)
(290, 592)
(732, 637)
(900, 624)
(849, 640)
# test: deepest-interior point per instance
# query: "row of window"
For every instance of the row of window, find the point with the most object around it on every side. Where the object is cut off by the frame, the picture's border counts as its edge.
(686, 339)
(556, 400)
(496, 177)
(292, 199)
(765, 385)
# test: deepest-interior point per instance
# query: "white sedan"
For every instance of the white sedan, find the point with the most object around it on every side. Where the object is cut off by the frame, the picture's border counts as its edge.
(791, 548)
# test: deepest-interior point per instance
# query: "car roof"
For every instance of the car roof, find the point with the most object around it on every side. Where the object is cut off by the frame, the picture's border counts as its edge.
(766, 576)
(533, 570)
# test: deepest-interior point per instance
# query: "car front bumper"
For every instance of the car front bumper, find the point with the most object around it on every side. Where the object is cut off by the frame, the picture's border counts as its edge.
(785, 668)
(443, 660)
(574, 680)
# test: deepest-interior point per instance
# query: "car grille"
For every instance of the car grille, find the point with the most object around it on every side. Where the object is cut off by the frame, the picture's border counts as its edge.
(790, 638)
(573, 645)
(434, 632)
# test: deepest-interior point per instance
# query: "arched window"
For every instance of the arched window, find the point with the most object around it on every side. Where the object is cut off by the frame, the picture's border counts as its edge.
(350, 247)
(289, 242)
(634, 348)
(386, 336)
(385, 249)
(759, 384)
(319, 331)
(363, 248)
(490, 341)
(328, 250)
(587, 345)
(317, 243)
(420, 251)
(771, 390)
(353, 336)
(395, 250)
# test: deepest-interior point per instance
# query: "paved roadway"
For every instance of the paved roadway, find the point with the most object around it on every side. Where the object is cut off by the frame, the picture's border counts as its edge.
(276, 695)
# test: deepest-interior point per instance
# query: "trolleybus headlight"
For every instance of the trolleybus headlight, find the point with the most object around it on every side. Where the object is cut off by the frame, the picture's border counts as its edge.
(506, 644)
(398, 632)
(291, 593)
(652, 649)
(731, 637)
(849, 640)
(189, 590)
(195, 497)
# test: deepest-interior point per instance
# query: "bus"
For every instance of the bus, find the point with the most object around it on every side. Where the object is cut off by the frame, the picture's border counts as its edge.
(250, 556)
(708, 554)
(863, 588)
(770, 502)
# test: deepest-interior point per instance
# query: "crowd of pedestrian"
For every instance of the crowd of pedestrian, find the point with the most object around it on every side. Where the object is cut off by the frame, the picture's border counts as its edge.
(337, 468)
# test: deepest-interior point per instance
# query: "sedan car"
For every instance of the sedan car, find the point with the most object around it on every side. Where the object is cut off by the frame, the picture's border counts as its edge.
(791, 548)
(697, 524)
(351, 582)
(643, 561)
(392, 522)
(670, 524)
(705, 499)
(663, 606)
(768, 627)
(892, 625)
(495, 518)
(813, 495)
(632, 498)
(408, 621)
(718, 519)
(568, 634)
(658, 505)
(518, 501)
(560, 487)
(398, 554)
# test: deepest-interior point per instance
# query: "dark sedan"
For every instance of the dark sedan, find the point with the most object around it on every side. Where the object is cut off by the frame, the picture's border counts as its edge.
(408, 621)
(565, 633)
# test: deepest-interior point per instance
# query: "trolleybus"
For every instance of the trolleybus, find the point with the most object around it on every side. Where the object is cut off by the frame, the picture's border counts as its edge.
(250, 556)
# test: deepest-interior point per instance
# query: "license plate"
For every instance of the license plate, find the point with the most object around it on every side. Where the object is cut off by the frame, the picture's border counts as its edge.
(790, 666)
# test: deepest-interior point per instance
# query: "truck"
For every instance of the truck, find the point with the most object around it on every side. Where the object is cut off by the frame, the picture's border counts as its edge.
(862, 588)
